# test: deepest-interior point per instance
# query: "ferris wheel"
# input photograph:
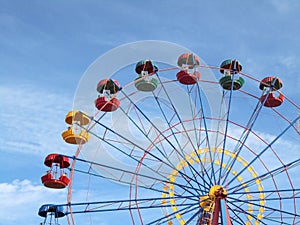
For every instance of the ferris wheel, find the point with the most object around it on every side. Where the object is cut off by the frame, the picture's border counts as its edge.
(189, 143)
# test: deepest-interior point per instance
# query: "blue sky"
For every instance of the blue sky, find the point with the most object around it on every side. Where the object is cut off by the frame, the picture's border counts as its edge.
(46, 46)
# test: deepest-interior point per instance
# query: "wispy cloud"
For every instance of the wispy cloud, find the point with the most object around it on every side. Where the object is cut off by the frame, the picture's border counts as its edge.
(284, 7)
(32, 118)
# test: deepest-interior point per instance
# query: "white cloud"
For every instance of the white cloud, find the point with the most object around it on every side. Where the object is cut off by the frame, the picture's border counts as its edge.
(20, 201)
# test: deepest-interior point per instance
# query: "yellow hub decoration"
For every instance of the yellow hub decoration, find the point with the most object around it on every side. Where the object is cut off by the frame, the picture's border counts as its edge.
(217, 190)
(207, 201)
